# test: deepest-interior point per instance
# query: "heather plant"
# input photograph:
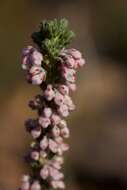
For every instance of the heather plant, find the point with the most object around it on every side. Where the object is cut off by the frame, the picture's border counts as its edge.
(52, 67)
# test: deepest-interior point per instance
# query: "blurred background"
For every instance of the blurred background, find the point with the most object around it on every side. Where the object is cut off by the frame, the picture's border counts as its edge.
(97, 159)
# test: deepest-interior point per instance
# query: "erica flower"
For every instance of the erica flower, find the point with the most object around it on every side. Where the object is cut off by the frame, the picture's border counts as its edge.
(65, 132)
(25, 182)
(44, 173)
(62, 124)
(25, 186)
(31, 57)
(36, 58)
(72, 58)
(43, 154)
(36, 133)
(49, 92)
(53, 146)
(59, 98)
(80, 63)
(25, 178)
(31, 62)
(56, 131)
(68, 101)
(63, 110)
(26, 64)
(55, 174)
(74, 53)
(47, 112)
(37, 75)
(63, 89)
(58, 184)
(44, 121)
(44, 143)
(63, 147)
(55, 119)
(35, 155)
(71, 86)
(35, 186)
(69, 74)
(26, 51)
(56, 164)
(58, 159)
(69, 60)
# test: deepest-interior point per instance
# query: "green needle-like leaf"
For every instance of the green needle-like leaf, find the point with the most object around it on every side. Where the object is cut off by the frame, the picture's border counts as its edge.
(53, 36)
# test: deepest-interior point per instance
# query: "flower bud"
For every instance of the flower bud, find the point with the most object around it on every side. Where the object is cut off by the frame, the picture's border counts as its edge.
(36, 133)
(47, 112)
(26, 51)
(44, 122)
(36, 58)
(53, 146)
(63, 89)
(80, 63)
(69, 74)
(44, 173)
(62, 124)
(49, 93)
(58, 184)
(38, 75)
(44, 143)
(68, 101)
(35, 155)
(74, 53)
(55, 174)
(55, 119)
(59, 98)
(71, 86)
(25, 186)
(56, 131)
(36, 186)
(25, 178)
(65, 132)
(63, 110)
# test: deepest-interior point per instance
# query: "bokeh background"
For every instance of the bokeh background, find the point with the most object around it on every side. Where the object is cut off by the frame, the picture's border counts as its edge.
(97, 159)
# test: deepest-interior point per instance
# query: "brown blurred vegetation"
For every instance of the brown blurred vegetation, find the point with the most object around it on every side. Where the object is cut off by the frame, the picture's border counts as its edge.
(98, 157)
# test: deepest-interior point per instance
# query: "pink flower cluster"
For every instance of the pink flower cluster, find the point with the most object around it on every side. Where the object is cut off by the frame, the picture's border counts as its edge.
(31, 62)
(50, 128)
(71, 60)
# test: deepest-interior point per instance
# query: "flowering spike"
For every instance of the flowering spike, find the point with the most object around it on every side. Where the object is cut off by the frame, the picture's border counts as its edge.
(53, 68)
